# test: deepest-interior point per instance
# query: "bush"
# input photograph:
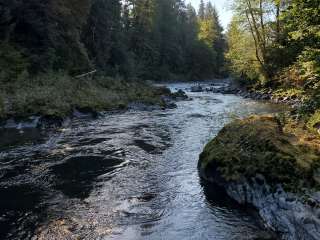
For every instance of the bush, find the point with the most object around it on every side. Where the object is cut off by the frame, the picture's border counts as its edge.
(314, 122)
(311, 105)
(289, 93)
(12, 64)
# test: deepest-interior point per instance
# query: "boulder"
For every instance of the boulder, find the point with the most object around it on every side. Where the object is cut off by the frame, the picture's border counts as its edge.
(180, 95)
(196, 88)
(258, 163)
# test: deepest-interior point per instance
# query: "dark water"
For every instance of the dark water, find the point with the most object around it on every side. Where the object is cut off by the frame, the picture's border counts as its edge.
(129, 175)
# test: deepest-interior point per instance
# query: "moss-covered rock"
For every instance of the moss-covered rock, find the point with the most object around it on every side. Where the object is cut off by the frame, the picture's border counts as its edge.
(261, 146)
(273, 165)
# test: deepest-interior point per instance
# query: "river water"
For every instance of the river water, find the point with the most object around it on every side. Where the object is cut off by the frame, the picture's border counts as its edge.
(129, 175)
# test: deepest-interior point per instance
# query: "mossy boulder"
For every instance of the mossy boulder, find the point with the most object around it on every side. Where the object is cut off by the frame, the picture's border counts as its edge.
(259, 145)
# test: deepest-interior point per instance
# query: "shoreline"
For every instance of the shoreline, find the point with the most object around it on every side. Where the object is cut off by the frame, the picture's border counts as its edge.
(155, 98)
(45, 122)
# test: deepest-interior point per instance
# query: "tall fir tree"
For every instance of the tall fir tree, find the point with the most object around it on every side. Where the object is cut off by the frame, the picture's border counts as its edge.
(202, 9)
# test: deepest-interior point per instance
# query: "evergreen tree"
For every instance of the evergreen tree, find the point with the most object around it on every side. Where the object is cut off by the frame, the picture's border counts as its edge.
(145, 39)
(201, 12)
(211, 34)
(102, 33)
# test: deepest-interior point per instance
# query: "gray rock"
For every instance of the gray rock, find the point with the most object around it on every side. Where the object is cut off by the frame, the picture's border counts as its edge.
(180, 95)
(81, 114)
(31, 122)
(285, 213)
(196, 88)
(139, 106)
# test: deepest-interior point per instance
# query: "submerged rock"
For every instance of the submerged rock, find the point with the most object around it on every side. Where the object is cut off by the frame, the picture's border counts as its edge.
(180, 95)
(31, 122)
(258, 163)
(196, 88)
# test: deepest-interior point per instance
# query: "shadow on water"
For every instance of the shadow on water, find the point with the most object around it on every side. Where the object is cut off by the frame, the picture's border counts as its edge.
(217, 197)
(16, 203)
(14, 137)
(77, 174)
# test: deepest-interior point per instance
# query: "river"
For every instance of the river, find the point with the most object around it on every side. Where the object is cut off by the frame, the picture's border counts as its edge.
(126, 175)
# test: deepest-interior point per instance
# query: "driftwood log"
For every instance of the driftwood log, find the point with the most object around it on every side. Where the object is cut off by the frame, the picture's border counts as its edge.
(86, 75)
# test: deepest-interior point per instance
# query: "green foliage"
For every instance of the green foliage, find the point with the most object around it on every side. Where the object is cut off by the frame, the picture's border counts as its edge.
(282, 41)
(241, 54)
(201, 59)
(145, 39)
(311, 105)
(12, 64)
(303, 22)
(211, 34)
(101, 34)
(314, 122)
(48, 33)
(289, 93)
(309, 63)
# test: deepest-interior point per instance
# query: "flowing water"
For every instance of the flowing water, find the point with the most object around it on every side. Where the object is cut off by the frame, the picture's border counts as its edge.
(128, 175)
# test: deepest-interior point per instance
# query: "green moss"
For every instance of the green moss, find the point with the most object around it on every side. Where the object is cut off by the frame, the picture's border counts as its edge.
(58, 94)
(258, 145)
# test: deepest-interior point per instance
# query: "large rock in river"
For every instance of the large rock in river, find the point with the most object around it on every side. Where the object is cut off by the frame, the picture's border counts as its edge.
(259, 163)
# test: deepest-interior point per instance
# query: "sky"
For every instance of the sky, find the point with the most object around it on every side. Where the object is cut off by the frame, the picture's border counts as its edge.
(222, 6)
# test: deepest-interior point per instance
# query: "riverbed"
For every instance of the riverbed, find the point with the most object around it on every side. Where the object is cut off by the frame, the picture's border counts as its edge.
(124, 175)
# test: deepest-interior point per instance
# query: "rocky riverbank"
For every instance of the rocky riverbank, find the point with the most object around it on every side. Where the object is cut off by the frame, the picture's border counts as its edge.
(273, 166)
(292, 98)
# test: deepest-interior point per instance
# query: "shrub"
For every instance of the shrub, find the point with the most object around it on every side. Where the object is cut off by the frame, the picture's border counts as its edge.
(314, 122)
(12, 63)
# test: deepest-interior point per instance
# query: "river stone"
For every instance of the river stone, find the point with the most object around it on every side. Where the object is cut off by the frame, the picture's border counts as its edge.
(256, 163)
(294, 220)
(31, 122)
(196, 88)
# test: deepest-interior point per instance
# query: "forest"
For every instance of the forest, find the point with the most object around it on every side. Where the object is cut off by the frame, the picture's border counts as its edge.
(145, 39)
(274, 46)
(45, 44)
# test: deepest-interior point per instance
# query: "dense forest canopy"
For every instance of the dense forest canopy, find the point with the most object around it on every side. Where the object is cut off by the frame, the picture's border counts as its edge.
(144, 39)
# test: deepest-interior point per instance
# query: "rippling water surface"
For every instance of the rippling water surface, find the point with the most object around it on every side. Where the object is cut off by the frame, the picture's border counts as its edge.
(129, 175)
